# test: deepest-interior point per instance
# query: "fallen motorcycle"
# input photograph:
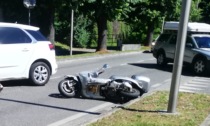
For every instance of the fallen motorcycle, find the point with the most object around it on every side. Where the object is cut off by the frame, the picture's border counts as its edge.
(1, 87)
(87, 84)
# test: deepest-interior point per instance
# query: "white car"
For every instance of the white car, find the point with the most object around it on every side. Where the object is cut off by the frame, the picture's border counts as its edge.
(25, 54)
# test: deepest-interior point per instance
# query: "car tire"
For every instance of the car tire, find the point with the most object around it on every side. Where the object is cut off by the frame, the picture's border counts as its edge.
(199, 66)
(161, 59)
(39, 73)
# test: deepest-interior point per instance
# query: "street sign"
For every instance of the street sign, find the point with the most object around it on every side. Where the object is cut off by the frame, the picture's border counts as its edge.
(30, 4)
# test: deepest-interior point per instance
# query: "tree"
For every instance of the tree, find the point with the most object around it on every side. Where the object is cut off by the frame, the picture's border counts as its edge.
(43, 16)
(205, 6)
(149, 15)
(102, 11)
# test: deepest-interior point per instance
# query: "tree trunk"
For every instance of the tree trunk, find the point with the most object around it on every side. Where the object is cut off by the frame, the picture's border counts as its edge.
(1, 15)
(150, 32)
(102, 34)
(51, 35)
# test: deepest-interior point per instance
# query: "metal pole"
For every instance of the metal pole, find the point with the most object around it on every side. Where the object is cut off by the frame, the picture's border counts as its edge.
(179, 54)
(29, 16)
(163, 24)
(72, 23)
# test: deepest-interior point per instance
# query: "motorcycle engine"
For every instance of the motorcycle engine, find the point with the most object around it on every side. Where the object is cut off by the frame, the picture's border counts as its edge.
(93, 88)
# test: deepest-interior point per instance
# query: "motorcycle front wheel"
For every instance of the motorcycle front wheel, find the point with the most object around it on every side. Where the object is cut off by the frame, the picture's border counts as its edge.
(130, 95)
(66, 88)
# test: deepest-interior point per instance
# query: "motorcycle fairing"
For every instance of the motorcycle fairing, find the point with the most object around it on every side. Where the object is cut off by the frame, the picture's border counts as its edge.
(140, 81)
(71, 76)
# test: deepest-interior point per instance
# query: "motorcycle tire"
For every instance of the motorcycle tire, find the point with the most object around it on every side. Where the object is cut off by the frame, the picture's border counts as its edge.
(64, 88)
(130, 95)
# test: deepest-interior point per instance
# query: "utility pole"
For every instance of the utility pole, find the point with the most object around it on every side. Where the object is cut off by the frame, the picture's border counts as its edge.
(72, 26)
(179, 54)
(29, 4)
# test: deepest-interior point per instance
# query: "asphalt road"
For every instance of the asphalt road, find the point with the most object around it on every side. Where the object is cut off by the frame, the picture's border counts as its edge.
(24, 105)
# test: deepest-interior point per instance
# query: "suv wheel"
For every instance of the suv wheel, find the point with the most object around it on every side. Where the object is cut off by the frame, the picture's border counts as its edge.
(161, 59)
(199, 66)
(39, 73)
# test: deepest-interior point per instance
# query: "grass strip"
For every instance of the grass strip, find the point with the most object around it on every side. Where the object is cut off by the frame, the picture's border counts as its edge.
(192, 109)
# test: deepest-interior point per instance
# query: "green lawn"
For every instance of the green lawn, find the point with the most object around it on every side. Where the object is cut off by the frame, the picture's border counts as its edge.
(192, 109)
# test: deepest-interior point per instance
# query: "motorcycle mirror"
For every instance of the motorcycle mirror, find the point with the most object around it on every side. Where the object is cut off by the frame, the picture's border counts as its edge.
(105, 66)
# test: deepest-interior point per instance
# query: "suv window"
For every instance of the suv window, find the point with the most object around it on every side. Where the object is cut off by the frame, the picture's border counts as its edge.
(189, 41)
(10, 35)
(203, 42)
(173, 39)
(37, 35)
(163, 38)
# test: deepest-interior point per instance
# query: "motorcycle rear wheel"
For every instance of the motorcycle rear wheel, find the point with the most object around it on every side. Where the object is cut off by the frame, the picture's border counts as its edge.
(130, 95)
(65, 89)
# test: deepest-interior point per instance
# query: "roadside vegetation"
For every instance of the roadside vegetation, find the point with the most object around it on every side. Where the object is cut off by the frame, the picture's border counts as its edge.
(65, 48)
(192, 109)
(99, 23)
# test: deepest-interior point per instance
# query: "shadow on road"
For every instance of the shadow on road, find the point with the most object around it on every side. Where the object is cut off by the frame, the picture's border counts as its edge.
(186, 70)
(14, 83)
(48, 106)
(78, 96)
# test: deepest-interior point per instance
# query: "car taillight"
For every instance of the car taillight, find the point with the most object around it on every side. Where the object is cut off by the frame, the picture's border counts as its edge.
(51, 46)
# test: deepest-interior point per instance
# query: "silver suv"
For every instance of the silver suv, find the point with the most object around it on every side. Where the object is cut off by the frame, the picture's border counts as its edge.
(197, 50)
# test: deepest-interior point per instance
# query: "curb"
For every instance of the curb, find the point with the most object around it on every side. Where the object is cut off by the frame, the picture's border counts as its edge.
(71, 59)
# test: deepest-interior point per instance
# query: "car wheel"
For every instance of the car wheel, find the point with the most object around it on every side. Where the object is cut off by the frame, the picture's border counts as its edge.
(161, 59)
(199, 66)
(39, 73)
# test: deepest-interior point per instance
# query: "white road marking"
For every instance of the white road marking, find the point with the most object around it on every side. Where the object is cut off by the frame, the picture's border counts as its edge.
(56, 77)
(167, 80)
(184, 90)
(196, 85)
(79, 115)
(123, 64)
(152, 59)
(190, 88)
(155, 85)
(141, 61)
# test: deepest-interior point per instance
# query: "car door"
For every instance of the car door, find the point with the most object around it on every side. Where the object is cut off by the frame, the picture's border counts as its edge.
(189, 53)
(16, 47)
(170, 47)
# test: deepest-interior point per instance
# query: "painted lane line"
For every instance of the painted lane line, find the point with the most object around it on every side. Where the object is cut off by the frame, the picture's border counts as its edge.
(56, 77)
(152, 59)
(123, 64)
(141, 61)
(196, 85)
(166, 81)
(155, 85)
(184, 90)
(79, 115)
(189, 88)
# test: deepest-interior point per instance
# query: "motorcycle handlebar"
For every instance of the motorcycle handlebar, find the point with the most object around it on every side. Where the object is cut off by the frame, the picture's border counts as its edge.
(100, 71)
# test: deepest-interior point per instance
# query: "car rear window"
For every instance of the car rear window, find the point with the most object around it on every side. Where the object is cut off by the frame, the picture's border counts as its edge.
(163, 38)
(37, 35)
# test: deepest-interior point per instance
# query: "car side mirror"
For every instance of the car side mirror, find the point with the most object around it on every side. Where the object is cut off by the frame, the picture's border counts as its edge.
(105, 66)
(189, 45)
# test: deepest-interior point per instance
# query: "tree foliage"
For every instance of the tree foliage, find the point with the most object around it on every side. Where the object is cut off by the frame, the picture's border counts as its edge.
(144, 17)
(102, 11)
